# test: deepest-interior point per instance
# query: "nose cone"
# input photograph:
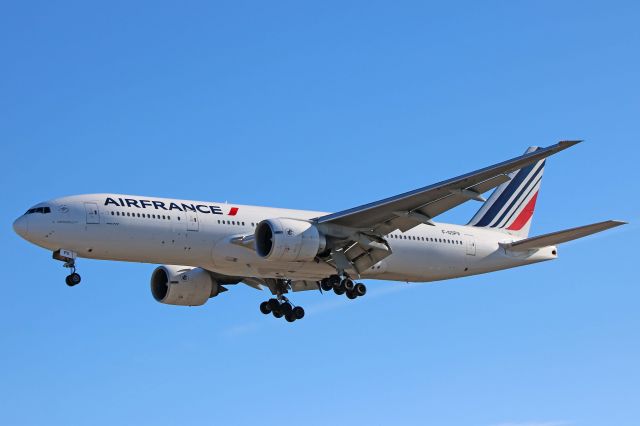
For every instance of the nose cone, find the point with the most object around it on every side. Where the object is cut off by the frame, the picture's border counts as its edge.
(21, 226)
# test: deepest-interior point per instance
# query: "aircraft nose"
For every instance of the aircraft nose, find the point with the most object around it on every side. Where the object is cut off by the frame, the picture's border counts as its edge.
(21, 226)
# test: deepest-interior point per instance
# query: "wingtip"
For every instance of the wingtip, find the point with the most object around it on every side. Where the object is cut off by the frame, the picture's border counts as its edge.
(569, 143)
(619, 222)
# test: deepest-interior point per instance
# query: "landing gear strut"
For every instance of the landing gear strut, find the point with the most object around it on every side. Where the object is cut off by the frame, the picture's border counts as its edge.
(344, 285)
(69, 259)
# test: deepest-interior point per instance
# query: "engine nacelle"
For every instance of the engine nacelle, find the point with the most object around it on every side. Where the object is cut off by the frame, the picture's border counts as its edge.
(288, 240)
(182, 285)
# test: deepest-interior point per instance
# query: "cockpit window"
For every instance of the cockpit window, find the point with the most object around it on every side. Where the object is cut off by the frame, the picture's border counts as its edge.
(39, 210)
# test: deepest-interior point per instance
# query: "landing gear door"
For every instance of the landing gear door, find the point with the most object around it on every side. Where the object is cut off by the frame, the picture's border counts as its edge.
(192, 221)
(471, 245)
(93, 216)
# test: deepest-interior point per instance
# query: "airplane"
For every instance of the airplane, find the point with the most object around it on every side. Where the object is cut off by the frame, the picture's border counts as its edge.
(207, 247)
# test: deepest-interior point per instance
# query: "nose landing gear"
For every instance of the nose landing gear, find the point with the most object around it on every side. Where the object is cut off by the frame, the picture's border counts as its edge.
(69, 259)
(73, 279)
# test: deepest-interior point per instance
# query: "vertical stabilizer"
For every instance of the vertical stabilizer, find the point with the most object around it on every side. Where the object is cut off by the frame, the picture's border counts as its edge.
(510, 207)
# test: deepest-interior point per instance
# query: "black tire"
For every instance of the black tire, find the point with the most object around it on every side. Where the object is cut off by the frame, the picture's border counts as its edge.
(325, 284)
(351, 295)
(334, 280)
(298, 312)
(338, 290)
(264, 308)
(347, 284)
(360, 289)
(73, 279)
(286, 308)
(273, 304)
(290, 317)
(277, 313)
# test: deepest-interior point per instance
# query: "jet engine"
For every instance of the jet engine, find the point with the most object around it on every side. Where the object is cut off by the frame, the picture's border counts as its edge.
(183, 285)
(288, 240)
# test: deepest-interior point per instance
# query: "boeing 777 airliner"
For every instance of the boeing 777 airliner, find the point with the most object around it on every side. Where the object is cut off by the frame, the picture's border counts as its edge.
(218, 245)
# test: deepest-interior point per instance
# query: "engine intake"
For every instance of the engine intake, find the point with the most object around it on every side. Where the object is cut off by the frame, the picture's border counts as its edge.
(183, 285)
(288, 240)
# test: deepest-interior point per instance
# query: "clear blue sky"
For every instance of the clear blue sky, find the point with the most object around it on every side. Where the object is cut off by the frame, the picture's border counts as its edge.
(323, 105)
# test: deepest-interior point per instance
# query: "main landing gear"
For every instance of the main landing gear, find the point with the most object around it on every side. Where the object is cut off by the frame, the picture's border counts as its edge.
(282, 308)
(69, 259)
(343, 286)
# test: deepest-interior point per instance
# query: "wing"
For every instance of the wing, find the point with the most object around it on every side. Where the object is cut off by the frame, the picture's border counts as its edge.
(358, 233)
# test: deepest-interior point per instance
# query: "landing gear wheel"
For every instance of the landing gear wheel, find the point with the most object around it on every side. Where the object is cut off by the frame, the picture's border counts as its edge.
(73, 279)
(264, 308)
(360, 289)
(273, 304)
(298, 312)
(347, 284)
(338, 290)
(277, 313)
(351, 295)
(290, 317)
(325, 284)
(286, 308)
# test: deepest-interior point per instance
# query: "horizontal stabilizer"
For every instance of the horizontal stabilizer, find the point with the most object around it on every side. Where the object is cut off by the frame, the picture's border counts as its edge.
(555, 238)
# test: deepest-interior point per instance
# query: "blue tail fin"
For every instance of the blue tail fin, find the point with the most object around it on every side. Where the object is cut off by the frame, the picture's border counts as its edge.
(510, 207)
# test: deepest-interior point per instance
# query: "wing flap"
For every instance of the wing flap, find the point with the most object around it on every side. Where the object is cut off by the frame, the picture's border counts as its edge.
(559, 237)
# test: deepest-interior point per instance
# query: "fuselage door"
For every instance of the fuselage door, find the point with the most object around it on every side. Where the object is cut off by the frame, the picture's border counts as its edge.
(92, 213)
(192, 221)
(471, 245)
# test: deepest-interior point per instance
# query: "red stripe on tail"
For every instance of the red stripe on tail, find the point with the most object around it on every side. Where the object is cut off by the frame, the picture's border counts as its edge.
(524, 215)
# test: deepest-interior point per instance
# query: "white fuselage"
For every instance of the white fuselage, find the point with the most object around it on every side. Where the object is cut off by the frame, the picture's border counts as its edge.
(192, 233)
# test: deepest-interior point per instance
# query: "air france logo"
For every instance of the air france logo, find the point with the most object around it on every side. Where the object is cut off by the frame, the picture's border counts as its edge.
(161, 205)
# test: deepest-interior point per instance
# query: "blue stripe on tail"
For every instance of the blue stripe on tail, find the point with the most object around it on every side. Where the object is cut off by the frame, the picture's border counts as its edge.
(506, 195)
